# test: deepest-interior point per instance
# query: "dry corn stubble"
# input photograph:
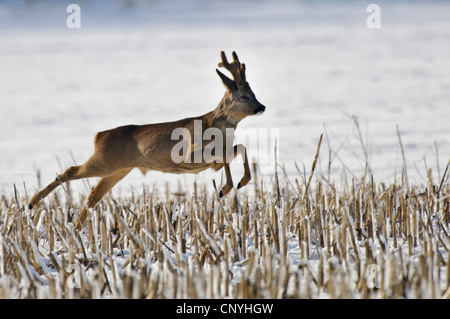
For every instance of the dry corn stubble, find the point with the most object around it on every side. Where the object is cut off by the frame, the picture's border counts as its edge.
(364, 240)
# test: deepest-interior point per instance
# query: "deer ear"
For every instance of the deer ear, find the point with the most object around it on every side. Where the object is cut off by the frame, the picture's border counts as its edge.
(229, 83)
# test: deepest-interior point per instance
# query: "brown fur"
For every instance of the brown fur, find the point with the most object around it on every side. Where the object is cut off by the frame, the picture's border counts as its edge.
(148, 147)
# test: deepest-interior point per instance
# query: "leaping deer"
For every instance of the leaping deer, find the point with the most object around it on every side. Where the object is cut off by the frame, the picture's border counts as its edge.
(149, 147)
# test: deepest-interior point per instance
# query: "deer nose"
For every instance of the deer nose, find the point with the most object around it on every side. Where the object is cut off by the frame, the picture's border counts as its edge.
(260, 109)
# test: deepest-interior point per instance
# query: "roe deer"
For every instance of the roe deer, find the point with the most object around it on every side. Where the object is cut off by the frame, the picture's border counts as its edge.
(149, 147)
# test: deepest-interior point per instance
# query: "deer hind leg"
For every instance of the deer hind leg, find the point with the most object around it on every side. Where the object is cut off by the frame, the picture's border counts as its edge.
(68, 175)
(88, 169)
(103, 186)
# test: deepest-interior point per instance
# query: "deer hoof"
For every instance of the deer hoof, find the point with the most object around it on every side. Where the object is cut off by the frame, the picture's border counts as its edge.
(220, 194)
(30, 206)
(239, 185)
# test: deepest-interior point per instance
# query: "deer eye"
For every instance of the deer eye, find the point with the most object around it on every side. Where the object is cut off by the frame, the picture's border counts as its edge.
(244, 98)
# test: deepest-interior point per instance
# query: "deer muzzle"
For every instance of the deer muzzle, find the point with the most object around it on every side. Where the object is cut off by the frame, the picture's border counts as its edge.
(260, 109)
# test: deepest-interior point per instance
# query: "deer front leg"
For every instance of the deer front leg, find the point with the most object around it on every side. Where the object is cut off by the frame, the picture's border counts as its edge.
(229, 185)
(240, 149)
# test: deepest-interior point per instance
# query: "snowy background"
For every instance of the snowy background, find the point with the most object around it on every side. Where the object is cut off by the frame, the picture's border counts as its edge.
(313, 64)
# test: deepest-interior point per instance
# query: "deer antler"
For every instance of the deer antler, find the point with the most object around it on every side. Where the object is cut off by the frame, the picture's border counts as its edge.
(236, 68)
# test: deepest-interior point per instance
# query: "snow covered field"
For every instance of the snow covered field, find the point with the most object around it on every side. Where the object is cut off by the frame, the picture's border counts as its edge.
(313, 64)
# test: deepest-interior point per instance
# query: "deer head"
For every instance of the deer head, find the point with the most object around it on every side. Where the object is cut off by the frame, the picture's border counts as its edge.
(240, 99)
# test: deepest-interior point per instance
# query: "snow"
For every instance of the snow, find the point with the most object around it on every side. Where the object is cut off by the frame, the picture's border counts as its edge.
(313, 64)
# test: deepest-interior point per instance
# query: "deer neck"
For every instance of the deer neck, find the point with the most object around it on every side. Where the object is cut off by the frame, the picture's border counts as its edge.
(221, 117)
